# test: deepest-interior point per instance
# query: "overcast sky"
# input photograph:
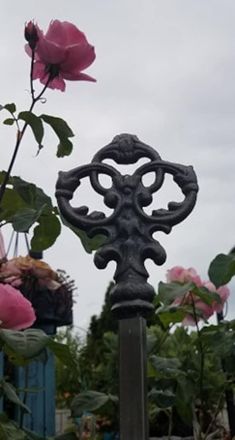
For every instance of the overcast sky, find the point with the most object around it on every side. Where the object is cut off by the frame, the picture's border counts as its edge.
(165, 71)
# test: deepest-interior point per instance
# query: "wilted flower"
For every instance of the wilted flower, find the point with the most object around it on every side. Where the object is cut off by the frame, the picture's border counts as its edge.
(16, 270)
(16, 312)
(61, 54)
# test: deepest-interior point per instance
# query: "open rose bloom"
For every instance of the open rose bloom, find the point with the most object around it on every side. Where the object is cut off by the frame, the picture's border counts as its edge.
(60, 54)
(204, 311)
(16, 312)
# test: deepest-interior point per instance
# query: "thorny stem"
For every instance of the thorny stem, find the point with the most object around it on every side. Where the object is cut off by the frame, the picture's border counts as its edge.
(20, 133)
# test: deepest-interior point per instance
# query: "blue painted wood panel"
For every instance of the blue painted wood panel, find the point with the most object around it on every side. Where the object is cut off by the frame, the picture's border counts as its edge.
(41, 379)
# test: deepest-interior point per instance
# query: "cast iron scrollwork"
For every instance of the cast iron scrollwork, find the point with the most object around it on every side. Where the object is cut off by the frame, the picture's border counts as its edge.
(128, 229)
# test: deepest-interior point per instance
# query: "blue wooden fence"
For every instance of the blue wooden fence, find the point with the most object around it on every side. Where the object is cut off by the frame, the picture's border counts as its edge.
(38, 378)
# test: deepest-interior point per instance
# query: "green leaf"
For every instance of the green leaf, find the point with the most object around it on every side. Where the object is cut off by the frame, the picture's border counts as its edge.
(206, 295)
(62, 352)
(27, 344)
(88, 401)
(222, 269)
(63, 131)
(168, 292)
(35, 124)
(11, 395)
(64, 148)
(60, 126)
(89, 244)
(24, 219)
(185, 397)
(165, 366)
(10, 205)
(66, 436)
(30, 193)
(10, 107)
(217, 339)
(9, 121)
(9, 430)
(46, 232)
(171, 314)
(162, 398)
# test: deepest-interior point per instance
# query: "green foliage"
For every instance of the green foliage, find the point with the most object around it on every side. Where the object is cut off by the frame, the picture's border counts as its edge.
(168, 292)
(46, 232)
(11, 108)
(23, 346)
(89, 401)
(9, 391)
(222, 269)
(23, 205)
(9, 121)
(35, 124)
(177, 386)
(68, 376)
(63, 131)
(89, 244)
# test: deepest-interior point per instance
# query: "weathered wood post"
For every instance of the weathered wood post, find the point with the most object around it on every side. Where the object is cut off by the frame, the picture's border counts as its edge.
(129, 242)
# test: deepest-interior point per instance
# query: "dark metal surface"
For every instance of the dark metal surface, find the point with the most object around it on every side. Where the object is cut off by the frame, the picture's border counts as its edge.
(128, 229)
(132, 379)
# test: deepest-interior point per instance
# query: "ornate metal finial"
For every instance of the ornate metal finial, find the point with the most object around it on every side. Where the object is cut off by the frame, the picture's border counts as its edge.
(128, 229)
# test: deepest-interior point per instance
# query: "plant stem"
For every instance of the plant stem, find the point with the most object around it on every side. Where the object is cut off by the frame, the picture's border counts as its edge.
(31, 74)
(213, 420)
(202, 358)
(20, 134)
(170, 416)
(24, 400)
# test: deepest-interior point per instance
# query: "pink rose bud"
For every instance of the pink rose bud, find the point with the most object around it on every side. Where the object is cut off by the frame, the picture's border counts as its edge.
(31, 34)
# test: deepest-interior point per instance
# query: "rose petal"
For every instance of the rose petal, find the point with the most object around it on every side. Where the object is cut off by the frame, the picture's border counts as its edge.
(74, 35)
(16, 312)
(50, 52)
(56, 83)
(39, 70)
(78, 57)
(57, 33)
(79, 76)
(181, 275)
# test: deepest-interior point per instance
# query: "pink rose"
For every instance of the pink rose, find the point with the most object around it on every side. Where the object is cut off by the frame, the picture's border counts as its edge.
(181, 275)
(16, 312)
(61, 54)
(190, 299)
(222, 291)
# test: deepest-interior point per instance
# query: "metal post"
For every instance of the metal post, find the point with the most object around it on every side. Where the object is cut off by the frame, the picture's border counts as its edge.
(132, 379)
(129, 242)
